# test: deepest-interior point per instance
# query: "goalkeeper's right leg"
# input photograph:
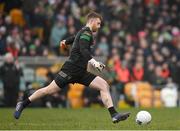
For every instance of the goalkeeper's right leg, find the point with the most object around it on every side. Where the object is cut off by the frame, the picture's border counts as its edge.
(18, 110)
(49, 90)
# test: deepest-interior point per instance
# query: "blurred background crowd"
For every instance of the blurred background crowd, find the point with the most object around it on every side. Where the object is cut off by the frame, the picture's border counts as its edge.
(139, 39)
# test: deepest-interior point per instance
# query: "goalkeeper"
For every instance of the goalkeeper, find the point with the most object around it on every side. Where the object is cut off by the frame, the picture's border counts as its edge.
(74, 70)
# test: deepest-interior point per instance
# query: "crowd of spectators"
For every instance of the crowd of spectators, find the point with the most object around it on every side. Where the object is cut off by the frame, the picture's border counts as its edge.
(139, 38)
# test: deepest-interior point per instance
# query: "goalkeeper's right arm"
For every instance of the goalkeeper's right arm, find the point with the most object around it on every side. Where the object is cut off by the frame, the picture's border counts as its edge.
(68, 41)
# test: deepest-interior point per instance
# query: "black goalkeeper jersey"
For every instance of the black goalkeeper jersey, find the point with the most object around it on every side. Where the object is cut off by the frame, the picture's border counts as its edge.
(80, 52)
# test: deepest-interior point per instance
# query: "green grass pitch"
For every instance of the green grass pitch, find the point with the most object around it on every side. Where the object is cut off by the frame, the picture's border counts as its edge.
(87, 119)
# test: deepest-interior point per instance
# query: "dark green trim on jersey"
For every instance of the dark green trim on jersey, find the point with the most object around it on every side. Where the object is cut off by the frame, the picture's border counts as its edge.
(86, 37)
(87, 33)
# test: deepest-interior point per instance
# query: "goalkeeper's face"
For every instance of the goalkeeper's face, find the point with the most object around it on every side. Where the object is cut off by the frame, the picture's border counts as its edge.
(96, 24)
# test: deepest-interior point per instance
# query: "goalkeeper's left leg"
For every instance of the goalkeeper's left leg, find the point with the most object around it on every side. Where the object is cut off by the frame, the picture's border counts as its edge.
(100, 84)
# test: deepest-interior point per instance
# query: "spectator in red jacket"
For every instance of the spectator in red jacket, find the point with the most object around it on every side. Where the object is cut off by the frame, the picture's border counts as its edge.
(123, 73)
(165, 71)
(138, 72)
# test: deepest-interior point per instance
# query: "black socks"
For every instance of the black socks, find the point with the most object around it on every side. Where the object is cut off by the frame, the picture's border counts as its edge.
(26, 102)
(112, 111)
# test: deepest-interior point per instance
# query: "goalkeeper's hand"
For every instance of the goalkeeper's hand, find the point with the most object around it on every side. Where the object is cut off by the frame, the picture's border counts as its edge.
(63, 44)
(98, 65)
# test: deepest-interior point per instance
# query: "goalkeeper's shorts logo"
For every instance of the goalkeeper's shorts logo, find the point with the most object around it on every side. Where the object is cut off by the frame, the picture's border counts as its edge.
(64, 75)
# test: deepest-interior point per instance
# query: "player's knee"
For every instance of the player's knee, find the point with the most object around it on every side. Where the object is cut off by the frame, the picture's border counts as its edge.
(50, 91)
(105, 85)
(43, 91)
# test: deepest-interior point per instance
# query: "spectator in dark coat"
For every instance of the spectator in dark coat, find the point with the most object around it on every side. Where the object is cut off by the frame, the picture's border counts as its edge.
(10, 74)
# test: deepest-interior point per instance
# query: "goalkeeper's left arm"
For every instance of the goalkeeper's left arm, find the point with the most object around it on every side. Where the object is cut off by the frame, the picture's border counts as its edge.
(98, 65)
(84, 45)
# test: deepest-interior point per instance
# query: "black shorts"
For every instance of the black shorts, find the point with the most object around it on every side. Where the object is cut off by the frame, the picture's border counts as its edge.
(71, 73)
